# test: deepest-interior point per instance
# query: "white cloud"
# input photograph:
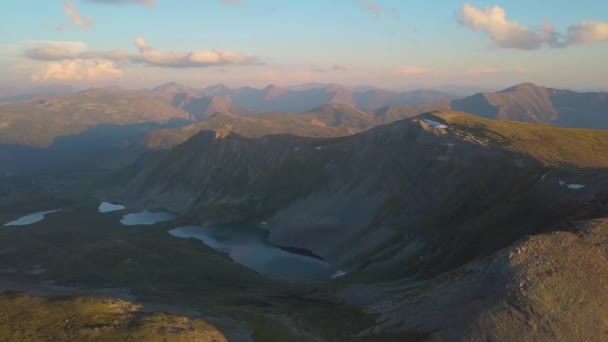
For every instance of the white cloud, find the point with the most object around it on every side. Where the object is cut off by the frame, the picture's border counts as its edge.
(51, 50)
(192, 59)
(66, 50)
(511, 34)
(505, 33)
(588, 32)
(71, 11)
(78, 70)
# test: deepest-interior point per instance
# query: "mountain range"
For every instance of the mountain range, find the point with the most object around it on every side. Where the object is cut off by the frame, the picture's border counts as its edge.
(525, 102)
(114, 121)
(441, 224)
(279, 99)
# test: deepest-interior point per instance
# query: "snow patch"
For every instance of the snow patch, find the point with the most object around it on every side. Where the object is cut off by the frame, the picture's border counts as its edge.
(434, 124)
(319, 148)
(542, 178)
(571, 186)
(338, 274)
(296, 149)
(575, 186)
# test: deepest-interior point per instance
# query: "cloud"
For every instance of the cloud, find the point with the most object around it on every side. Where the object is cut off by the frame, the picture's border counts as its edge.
(493, 20)
(147, 3)
(414, 70)
(588, 32)
(335, 67)
(54, 50)
(511, 34)
(78, 70)
(71, 11)
(148, 55)
(68, 50)
(193, 59)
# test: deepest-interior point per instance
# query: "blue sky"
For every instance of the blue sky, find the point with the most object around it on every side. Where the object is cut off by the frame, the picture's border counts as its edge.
(385, 43)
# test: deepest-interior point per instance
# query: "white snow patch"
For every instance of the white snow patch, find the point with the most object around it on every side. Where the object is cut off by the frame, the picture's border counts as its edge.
(575, 186)
(296, 149)
(319, 148)
(542, 178)
(571, 186)
(338, 274)
(434, 124)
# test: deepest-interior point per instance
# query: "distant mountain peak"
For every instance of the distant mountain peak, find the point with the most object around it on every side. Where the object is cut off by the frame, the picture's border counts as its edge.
(222, 133)
(526, 86)
(172, 87)
(273, 90)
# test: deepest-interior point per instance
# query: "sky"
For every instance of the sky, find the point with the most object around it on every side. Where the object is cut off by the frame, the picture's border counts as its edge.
(396, 44)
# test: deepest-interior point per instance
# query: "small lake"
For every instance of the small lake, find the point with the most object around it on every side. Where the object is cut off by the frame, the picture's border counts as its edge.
(31, 218)
(249, 246)
(147, 218)
(107, 207)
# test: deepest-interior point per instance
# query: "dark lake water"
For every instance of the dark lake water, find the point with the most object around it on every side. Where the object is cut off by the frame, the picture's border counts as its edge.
(249, 246)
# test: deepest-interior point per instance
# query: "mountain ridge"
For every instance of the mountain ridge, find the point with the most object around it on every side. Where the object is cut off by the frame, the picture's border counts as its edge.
(428, 164)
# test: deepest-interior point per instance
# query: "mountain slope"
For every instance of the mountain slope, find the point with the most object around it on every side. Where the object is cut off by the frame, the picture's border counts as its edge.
(530, 291)
(39, 121)
(427, 193)
(207, 106)
(21, 94)
(531, 103)
(325, 121)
